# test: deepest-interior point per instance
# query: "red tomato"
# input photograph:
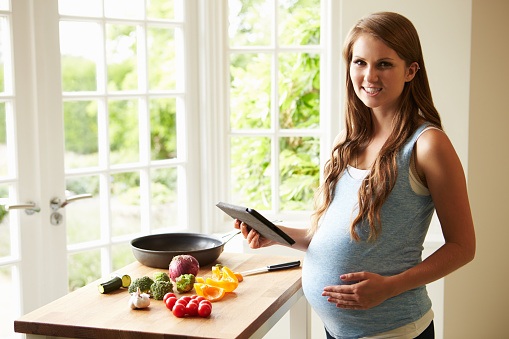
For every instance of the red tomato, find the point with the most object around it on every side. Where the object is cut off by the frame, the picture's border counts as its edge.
(205, 301)
(168, 295)
(204, 310)
(192, 308)
(181, 302)
(170, 302)
(186, 298)
(200, 298)
(179, 310)
(194, 296)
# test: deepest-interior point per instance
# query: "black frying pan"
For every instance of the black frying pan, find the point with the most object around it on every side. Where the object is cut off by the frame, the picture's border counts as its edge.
(157, 250)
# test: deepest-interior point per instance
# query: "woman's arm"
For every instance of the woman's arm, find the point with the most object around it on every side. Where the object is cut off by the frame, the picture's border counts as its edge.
(300, 235)
(438, 163)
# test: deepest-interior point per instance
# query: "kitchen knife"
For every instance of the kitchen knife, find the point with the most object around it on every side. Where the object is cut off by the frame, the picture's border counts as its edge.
(271, 268)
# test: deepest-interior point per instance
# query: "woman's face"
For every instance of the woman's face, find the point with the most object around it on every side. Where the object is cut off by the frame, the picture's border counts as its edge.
(378, 74)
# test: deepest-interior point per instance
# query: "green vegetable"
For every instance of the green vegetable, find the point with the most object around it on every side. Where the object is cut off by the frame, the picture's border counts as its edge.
(144, 283)
(185, 283)
(126, 279)
(161, 276)
(111, 285)
(159, 288)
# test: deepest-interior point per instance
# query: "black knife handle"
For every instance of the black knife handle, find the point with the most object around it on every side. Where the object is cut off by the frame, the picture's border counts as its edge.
(283, 266)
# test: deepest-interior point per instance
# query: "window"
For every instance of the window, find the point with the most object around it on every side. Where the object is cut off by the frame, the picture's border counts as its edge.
(275, 128)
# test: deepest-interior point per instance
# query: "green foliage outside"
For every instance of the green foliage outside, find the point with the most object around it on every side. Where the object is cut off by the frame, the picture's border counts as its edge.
(298, 105)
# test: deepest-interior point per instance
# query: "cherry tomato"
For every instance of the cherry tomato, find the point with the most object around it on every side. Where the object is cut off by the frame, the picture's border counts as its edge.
(205, 301)
(186, 298)
(181, 302)
(204, 310)
(170, 302)
(179, 310)
(192, 308)
(194, 297)
(200, 298)
(168, 295)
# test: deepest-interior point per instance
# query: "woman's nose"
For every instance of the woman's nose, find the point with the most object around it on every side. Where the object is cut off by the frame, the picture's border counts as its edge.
(371, 75)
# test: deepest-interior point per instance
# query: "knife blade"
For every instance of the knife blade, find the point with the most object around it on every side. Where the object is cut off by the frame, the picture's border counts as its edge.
(271, 268)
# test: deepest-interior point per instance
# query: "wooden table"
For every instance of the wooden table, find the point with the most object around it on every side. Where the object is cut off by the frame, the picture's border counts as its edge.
(257, 304)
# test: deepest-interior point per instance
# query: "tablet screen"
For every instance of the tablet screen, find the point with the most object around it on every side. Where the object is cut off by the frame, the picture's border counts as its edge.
(257, 221)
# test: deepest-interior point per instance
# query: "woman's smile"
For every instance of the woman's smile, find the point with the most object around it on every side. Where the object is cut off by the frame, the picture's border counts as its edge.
(372, 91)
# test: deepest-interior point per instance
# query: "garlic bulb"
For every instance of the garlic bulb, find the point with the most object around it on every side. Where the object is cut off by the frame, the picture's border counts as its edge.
(139, 300)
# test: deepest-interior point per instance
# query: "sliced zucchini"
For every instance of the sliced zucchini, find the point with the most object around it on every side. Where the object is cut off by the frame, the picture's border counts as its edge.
(111, 285)
(126, 280)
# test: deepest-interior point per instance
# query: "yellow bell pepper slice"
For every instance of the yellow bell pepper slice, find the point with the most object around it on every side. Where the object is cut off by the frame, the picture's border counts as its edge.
(228, 281)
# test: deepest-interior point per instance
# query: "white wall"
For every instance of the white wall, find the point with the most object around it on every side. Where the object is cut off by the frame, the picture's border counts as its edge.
(476, 297)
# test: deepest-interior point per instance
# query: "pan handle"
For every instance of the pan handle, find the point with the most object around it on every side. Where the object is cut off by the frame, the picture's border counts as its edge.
(230, 234)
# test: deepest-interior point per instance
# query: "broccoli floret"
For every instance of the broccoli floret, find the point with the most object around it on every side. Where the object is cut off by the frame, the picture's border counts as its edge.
(161, 276)
(185, 283)
(143, 283)
(159, 288)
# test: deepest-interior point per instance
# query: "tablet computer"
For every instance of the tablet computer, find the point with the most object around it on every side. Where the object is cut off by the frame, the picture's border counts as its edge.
(257, 221)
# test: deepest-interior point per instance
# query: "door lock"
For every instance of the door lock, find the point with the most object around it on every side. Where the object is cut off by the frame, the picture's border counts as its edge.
(56, 218)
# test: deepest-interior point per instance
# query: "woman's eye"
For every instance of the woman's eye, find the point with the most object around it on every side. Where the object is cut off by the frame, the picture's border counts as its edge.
(384, 64)
(359, 62)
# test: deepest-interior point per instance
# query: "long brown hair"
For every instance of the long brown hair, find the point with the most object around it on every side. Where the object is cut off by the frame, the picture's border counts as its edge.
(415, 105)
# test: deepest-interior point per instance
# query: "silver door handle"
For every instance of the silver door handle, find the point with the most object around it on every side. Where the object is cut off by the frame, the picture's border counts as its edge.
(56, 203)
(30, 207)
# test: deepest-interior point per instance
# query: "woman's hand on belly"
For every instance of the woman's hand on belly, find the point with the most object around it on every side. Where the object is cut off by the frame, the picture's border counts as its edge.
(367, 291)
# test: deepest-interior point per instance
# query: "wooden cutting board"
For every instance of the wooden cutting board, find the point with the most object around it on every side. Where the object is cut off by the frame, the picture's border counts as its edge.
(85, 313)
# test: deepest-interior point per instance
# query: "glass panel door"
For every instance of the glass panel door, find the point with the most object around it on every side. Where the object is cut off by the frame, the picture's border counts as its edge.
(123, 80)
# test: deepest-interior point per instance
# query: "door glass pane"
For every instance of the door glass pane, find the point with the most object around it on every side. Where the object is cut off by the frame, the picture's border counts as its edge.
(125, 203)
(81, 139)
(299, 22)
(122, 256)
(299, 163)
(84, 267)
(250, 22)
(10, 297)
(165, 205)
(5, 228)
(3, 51)
(132, 9)
(124, 131)
(78, 45)
(250, 91)
(83, 217)
(79, 7)
(163, 128)
(3, 141)
(299, 90)
(164, 9)
(251, 175)
(162, 64)
(121, 52)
